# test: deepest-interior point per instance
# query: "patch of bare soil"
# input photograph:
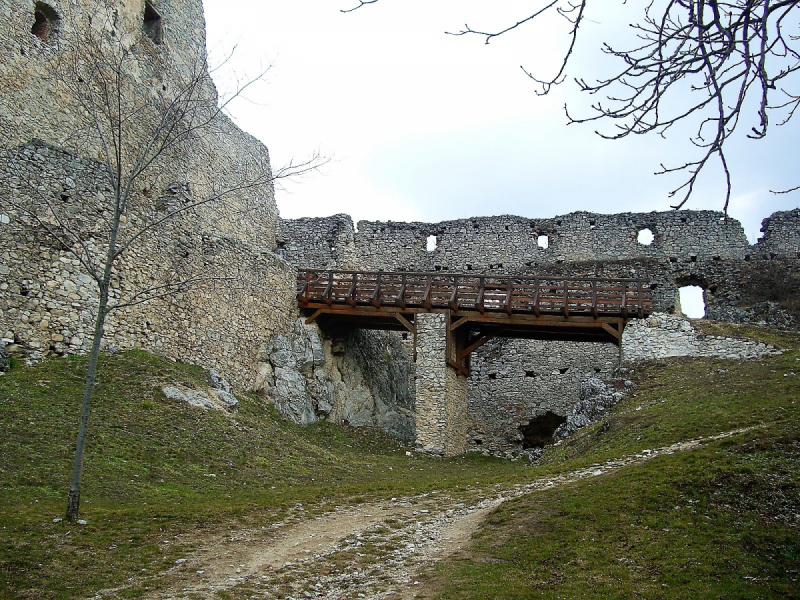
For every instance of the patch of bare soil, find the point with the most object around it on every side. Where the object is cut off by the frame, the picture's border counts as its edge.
(372, 550)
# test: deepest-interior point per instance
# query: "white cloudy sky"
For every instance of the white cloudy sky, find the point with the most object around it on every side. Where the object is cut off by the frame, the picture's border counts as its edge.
(420, 125)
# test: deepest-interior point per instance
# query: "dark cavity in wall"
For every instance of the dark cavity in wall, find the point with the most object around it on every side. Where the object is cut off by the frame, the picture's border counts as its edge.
(152, 24)
(45, 21)
(539, 432)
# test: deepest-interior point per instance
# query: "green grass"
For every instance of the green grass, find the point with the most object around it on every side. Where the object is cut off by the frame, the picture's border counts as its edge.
(721, 521)
(730, 507)
(157, 470)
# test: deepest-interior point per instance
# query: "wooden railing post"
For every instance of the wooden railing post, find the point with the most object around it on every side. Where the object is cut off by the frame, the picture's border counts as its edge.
(481, 285)
(401, 296)
(509, 310)
(427, 302)
(624, 287)
(326, 295)
(639, 293)
(566, 299)
(454, 296)
(351, 293)
(376, 294)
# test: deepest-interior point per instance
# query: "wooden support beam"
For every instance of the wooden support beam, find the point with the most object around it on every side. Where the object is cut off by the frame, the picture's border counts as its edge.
(614, 332)
(477, 343)
(411, 327)
(314, 316)
(459, 323)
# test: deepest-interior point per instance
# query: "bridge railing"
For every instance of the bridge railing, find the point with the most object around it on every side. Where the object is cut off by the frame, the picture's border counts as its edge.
(482, 293)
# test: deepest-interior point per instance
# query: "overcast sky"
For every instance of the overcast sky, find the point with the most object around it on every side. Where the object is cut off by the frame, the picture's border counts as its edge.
(424, 126)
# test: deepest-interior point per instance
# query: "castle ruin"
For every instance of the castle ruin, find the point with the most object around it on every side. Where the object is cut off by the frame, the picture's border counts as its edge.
(253, 333)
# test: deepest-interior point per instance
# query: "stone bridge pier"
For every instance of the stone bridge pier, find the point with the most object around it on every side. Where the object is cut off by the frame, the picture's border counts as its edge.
(441, 403)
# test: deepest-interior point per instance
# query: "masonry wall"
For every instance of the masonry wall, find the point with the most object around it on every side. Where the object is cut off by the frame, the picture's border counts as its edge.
(516, 381)
(441, 394)
(239, 293)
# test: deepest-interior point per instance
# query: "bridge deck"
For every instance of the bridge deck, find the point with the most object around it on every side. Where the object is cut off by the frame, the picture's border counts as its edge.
(480, 306)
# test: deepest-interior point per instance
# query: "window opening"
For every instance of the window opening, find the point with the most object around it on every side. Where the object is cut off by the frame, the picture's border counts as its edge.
(153, 27)
(431, 243)
(691, 302)
(543, 241)
(45, 21)
(645, 237)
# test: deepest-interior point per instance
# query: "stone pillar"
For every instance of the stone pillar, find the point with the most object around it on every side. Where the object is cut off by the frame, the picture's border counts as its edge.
(441, 404)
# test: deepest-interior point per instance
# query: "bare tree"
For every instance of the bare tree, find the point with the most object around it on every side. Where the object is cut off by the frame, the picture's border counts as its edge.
(737, 60)
(128, 138)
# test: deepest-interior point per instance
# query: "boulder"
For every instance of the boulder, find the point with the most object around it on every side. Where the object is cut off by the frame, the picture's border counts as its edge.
(291, 397)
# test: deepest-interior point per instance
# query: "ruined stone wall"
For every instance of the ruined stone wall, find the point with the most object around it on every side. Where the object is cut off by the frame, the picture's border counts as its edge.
(781, 235)
(663, 336)
(515, 382)
(237, 293)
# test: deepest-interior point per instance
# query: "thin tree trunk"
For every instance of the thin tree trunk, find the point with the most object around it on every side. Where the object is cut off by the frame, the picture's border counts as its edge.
(74, 498)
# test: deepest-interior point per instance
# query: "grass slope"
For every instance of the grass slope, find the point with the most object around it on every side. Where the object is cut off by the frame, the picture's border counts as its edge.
(722, 521)
(157, 471)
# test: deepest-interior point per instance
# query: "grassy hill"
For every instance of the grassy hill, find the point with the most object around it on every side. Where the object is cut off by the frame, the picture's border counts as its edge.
(719, 521)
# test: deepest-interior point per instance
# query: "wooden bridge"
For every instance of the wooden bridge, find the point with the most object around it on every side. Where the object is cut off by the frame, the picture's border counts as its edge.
(478, 307)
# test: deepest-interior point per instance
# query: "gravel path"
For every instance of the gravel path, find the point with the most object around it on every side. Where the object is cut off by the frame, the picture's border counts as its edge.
(371, 550)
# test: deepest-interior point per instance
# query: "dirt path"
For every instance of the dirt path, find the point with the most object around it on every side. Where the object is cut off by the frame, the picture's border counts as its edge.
(365, 551)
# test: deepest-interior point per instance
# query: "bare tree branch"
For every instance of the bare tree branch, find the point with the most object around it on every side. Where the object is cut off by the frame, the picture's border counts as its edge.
(704, 62)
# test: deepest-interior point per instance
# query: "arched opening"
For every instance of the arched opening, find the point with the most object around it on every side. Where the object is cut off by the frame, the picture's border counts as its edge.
(691, 302)
(45, 21)
(431, 243)
(152, 24)
(539, 432)
(645, 237)
(543, 241)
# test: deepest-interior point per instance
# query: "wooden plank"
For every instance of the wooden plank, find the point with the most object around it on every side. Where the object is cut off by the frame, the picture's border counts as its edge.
(611, 330)
(314, 316)
(459, 323)
(412, 328)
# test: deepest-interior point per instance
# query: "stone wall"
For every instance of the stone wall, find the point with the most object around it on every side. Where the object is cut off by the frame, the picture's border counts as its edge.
(233, 293)
(665, 336)
(441, 426)
(517, 382)
(781, 234)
